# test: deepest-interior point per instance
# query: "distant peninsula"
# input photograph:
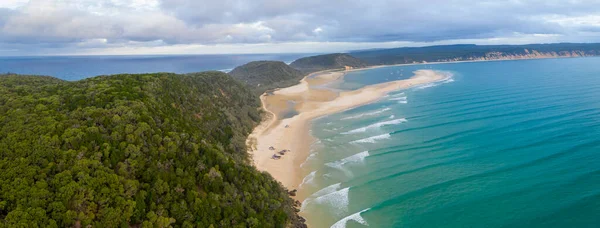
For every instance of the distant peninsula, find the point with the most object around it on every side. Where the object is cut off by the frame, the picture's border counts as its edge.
(471, 52)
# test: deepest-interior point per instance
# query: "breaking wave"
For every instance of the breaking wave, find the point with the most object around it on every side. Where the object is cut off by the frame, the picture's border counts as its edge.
(396, 95)
(338, 200)
(376, 125)
(372, 139)
(367, 114)
(353, 217)
(401, 100)
(425, 86)
(324, 191)
(308, 179)
(448, 79)
(357, 158)
(310, 157)
(398, 99)
(332, 129)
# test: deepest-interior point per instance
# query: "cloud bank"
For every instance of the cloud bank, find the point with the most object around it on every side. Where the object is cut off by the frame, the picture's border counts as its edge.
(244, 26)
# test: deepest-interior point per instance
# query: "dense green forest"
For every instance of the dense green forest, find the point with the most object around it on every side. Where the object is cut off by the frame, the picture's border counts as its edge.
(327, 62)
(266, 75)
(471, 51)
(145, 150)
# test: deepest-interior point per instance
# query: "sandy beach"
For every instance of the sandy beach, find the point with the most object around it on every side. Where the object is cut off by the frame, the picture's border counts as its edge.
(293, 134)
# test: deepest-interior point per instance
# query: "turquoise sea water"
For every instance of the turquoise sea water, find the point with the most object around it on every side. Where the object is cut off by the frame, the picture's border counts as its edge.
(502, 144)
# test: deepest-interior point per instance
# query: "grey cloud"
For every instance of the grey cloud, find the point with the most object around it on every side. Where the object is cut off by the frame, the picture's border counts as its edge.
(72, 24)
(374, 21)
(228, 11)
(5, 14)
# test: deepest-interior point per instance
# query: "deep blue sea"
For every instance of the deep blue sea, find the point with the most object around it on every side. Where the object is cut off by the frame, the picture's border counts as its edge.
(501, 144)
(78, 67)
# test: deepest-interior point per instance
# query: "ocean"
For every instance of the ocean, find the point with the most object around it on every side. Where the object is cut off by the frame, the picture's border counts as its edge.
(500, 144)
(73, 68)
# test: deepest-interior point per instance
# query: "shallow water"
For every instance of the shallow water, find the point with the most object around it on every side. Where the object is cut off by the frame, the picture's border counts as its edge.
(290, 111)
(501, 144)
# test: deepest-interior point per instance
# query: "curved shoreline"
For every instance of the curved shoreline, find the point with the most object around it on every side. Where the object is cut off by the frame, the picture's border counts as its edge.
(294, 133)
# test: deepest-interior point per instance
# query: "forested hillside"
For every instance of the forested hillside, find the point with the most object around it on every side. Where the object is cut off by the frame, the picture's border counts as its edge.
(265, 75)
(147, 150)
(447, 53)
(327, 62)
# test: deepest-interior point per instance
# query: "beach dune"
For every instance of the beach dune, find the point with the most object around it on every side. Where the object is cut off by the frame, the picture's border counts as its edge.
(276, 134)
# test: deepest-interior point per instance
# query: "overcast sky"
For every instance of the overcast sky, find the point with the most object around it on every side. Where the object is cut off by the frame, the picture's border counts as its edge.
(59, 27)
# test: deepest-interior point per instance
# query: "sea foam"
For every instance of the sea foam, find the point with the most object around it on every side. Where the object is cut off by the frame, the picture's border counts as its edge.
(367, 114)
(332, 129)
(322, 192)
(308, 179)
(360, 157)
(401, 100)
(354, 217)
(372, 139)
(316, 142)
(376, 125)
(395, 95)
(337, 200)
(326, 190)
(448, 79)
(398, 99)
(310, 157)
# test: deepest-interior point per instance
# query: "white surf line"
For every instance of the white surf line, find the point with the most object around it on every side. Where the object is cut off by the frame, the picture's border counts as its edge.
(353, 217)
(376, 125)
(367, 114)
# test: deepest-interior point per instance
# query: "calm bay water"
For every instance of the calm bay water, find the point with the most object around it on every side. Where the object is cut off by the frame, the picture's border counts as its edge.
(502, 144)
(79, 67)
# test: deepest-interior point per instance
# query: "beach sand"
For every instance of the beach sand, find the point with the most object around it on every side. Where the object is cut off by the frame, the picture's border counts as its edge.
(311, 103)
